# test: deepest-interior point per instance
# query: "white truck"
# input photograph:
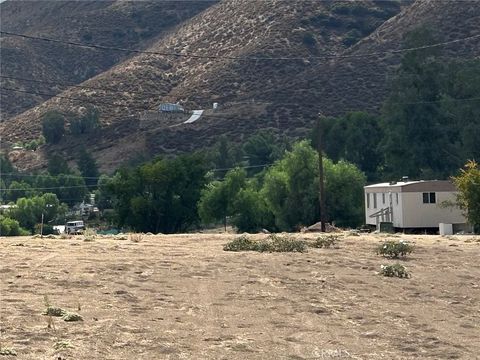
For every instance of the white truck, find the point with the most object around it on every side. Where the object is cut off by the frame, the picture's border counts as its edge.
(75, 227)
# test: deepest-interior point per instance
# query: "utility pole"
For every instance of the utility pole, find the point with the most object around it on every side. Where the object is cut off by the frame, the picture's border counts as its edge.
(321, 192)
(41, 227)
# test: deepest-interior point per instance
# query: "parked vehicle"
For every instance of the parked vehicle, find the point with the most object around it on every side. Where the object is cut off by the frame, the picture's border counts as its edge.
(75, 227)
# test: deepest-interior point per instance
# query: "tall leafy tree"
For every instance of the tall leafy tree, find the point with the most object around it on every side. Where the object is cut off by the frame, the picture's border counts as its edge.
(262, 148)
(86, 122)
(225, 155)
(468, 184)
(57, 165)
(355, 137)
(159, 196)
(427, 130)
(88, 167)
(217, 198)
(53, 126)
(291, 189)
(28, 211)
(18, 189)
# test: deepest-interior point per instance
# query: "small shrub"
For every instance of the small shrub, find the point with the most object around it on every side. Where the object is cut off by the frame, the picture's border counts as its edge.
(309, 40)
(54, 311)
(136, 238)
(274, 243)
(62, 344)
(242, 243)
(89, 235)
(71, 316)
(395, 270)
(277, 243)
(7, 352)
(325, 241)
(352, 37)
(394, 249)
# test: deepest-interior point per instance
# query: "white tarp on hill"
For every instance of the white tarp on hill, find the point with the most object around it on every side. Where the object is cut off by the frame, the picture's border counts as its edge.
(195, 116)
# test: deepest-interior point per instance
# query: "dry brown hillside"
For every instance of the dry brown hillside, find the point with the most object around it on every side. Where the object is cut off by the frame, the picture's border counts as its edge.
(282, 94)
(108, 23)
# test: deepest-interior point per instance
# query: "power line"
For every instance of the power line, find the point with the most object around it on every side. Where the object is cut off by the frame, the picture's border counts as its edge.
(73, 85)
(144, 108)
(51, 188)
(47, 175)
(98, 177)
(239, 58)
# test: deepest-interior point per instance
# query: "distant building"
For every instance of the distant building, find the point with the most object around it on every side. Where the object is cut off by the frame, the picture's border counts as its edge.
(171, 108)
(413, 205)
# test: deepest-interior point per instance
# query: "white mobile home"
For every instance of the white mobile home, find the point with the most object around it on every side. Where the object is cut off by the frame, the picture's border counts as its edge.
(412, 204)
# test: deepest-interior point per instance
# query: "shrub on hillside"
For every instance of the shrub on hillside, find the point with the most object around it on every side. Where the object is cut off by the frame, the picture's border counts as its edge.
(53, 126)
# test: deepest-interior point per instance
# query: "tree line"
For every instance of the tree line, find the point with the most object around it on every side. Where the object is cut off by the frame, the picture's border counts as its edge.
(428, 128)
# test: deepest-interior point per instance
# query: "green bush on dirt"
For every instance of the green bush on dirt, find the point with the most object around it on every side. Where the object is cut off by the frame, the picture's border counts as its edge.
(54, 311)
(274, 243)
(71, 316)
(325, 241)
(282, 243)
(7, 352)
(242, 243)
(395, 270)
(394, 249)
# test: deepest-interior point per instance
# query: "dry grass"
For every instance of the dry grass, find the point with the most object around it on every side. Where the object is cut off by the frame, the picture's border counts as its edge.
(183, 297)
(135, 237)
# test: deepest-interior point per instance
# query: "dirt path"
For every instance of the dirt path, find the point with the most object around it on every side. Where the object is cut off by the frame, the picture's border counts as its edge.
(183, 297)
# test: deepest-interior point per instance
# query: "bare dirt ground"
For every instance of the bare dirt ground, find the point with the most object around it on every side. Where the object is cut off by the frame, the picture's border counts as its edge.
(183, 297)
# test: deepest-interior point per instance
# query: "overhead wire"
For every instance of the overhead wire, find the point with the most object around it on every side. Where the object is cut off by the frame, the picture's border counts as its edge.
(240, 58)
(98, 177)
(96, 46)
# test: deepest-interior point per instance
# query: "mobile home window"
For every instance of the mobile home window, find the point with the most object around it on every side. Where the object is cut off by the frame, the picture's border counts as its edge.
(397, 197)
(374, 200)
(368, 200)
(383, 198)
(429, 198)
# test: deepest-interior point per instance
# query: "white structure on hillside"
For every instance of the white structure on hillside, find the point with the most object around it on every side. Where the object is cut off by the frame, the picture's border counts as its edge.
(413, 204)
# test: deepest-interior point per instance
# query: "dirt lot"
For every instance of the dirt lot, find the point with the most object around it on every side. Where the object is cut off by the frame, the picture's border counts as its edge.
(183, 297)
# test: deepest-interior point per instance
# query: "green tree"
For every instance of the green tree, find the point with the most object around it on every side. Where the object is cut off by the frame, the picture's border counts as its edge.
(217, 199)
(355, 137)
(6, 167)
(28, 211)
(10, 227)
(225, 155)
(291, 187)
(88, 167)
(57, 165)
(86, 122)
(53, 126)
(159, 196)
(261, 149)
(344, 193)
(18, 189)
(251, 212)
(463, 82)
(468, 199)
